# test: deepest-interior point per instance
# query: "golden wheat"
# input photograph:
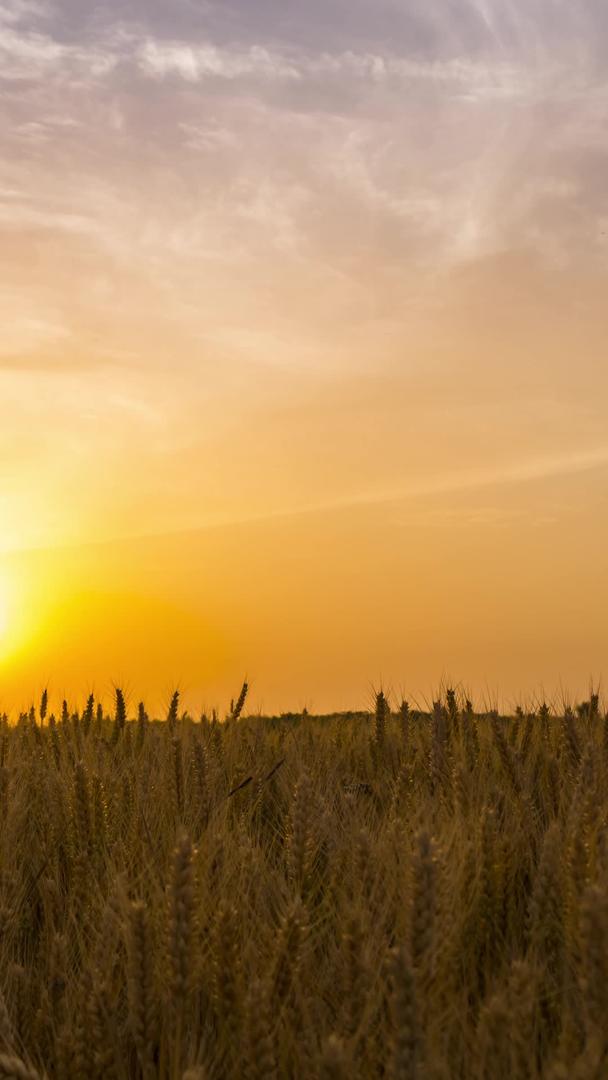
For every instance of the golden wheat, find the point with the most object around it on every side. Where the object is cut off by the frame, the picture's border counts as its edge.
(414, 895)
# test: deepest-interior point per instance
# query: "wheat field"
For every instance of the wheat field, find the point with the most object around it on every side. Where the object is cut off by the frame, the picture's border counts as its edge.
(404, 894)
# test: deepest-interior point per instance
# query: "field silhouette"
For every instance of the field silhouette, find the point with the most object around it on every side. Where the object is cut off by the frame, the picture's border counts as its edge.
(398, 894)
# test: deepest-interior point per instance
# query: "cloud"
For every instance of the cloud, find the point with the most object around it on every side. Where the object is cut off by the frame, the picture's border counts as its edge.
(27, 55)
(461, 76)
(17, 11)
(159, 59)
(192, 157)
(519, 472)
(27, 334)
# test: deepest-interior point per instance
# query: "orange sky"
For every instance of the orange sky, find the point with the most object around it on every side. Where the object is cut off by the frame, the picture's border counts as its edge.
(303, 348)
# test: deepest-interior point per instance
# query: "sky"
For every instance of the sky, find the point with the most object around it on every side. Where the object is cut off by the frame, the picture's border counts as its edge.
(303, 348)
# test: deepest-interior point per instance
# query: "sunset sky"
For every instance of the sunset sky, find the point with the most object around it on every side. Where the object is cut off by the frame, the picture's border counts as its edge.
(303, 348)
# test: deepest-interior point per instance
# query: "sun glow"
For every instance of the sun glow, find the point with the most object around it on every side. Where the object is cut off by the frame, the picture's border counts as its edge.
(11, 630)
(4, 608)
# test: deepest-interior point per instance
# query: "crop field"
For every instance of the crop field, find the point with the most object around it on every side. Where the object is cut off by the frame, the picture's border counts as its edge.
(400, 894)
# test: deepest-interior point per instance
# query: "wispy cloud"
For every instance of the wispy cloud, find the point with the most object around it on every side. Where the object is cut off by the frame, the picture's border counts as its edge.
(26, 55)
(514, 474)
(16, 11)
(519, 472)
(466, 78)
(22, 336)
(251, 198)
(195, 63)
